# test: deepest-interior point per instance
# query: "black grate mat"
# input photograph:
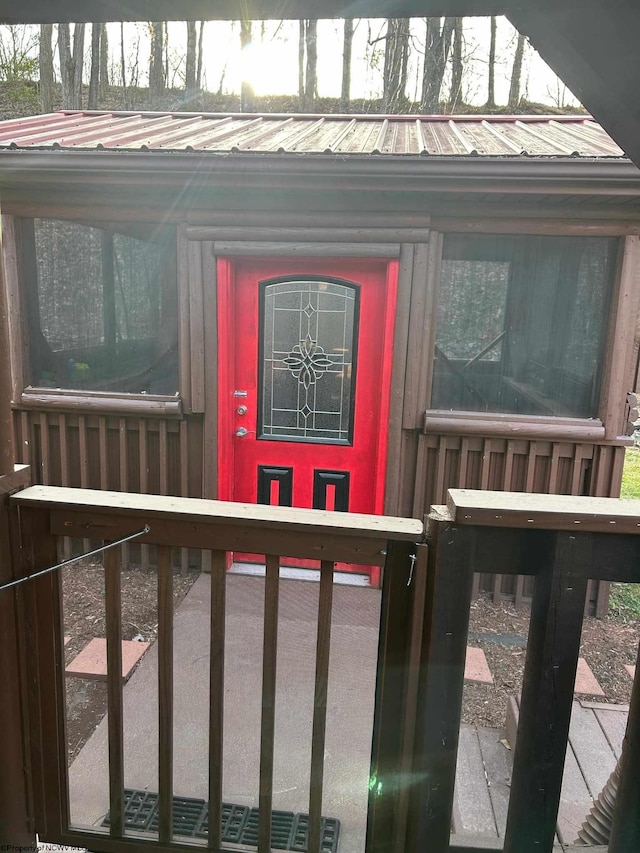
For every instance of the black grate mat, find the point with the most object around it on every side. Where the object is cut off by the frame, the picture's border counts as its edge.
(289, 831)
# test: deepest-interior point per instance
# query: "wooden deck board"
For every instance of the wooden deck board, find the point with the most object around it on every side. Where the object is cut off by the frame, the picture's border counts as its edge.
(497, 765)
(591, 748)
(474, 813)
(484, 772)
(575, 799)
(614, 724)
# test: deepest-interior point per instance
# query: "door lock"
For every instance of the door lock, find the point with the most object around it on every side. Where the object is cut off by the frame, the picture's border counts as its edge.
(241, 410)
(241, 432)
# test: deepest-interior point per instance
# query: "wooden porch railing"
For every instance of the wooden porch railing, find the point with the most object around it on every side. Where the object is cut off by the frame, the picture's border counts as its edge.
(46, 513)
(560, 541)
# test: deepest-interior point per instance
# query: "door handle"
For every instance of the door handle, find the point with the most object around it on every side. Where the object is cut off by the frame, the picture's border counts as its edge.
(241, 432)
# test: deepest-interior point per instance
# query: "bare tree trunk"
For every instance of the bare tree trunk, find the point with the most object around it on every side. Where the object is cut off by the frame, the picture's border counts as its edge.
(71, 65)
(104, 62)
(455, 96)
(491, 88)
(64, 50)
(396, 55)
(78, 63)
(156, 62)
(246, 90)
(345, 95)
(165, 51)
(199, 62)
(436, 55)
(190, 62)
(302, 28)
(123, 69)
(516, 74)
(46, 68)
(94, 78)
(311, 76)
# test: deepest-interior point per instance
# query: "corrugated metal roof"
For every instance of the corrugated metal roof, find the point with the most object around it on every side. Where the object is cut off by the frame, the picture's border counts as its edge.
(433, 136)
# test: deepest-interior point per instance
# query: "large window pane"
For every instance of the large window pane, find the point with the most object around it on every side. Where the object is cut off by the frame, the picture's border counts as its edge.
(521, 324)
(102, 307)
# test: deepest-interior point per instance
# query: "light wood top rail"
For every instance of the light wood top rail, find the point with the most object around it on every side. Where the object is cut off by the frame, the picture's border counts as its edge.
(543, 512)
(223, 513)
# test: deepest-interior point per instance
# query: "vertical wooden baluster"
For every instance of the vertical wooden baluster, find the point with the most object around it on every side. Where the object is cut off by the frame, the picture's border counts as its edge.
(216, 694)
(554, 469)
(507, 475)
(464, 463)
(270, 651)
(165, 694)
(124, 474)
(441, 495)
(184, 487)
(64, 472)
(104, 462)
(420, 487)
(113, 607)
(24, 453)
(164, 471)
(531, 467)
(44, 448)
(323, 646)
(144, 479)
(84, 463)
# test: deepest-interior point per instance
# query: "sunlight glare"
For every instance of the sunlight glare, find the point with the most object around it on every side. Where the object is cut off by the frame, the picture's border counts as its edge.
(263, 67)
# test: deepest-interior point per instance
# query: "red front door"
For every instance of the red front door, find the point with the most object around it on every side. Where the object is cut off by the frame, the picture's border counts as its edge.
(305, 362)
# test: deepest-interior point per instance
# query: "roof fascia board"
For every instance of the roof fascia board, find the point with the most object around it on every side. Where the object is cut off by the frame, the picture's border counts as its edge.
(387, 172)
(48, 12)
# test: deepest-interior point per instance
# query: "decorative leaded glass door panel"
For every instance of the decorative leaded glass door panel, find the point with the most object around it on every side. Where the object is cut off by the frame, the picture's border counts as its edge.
(307, 356)
(305, 352)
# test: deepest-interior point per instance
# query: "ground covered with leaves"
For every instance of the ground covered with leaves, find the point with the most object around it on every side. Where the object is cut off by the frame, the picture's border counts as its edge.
(501, 631)
(84, 619)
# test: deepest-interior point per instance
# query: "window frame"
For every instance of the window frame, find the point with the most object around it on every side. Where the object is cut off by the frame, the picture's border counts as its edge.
(617, 372)
(18, 252)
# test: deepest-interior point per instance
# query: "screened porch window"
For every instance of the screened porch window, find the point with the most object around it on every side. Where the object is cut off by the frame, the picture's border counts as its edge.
(102, 306)
(522, 323)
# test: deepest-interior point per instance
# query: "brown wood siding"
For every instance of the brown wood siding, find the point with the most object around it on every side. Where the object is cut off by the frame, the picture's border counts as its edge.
(443, 462)
(101, 451)
(105, 451)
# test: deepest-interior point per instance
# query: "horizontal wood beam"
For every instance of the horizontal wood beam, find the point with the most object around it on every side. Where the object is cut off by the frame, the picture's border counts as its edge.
(586, 431)
(219, 513)
(110, 404)
(44, 11)
(574, 513)
(309, 234)
(237, 248)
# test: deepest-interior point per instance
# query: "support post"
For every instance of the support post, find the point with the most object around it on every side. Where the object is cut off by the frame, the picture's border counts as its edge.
(446, 617)
(547, 692)
(15, 828)
(390, 704)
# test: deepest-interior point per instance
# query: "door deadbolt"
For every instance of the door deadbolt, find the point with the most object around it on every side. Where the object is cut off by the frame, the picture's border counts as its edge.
(241, 410)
